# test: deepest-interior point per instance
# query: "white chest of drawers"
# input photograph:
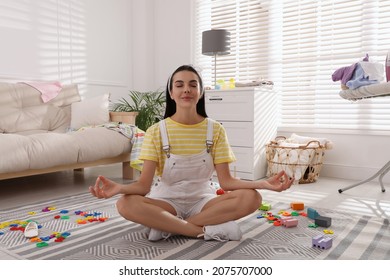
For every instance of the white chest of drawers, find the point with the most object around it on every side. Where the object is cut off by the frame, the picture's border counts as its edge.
(249, 116)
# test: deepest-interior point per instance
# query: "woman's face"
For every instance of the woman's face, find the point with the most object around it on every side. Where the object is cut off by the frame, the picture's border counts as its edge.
(185, 89)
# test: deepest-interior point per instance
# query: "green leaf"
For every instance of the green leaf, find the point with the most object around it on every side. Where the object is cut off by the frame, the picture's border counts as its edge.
(149, 105)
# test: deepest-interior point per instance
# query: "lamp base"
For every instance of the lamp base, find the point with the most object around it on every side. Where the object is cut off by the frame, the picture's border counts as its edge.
(215, 71)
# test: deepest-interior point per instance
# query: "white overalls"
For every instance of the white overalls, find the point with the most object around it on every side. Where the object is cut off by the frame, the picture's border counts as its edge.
(186, 179)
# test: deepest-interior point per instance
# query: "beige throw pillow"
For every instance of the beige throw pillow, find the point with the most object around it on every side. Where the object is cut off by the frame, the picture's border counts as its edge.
(90, 111)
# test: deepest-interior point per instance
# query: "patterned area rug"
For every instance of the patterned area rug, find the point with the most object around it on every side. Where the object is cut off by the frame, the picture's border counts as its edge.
(108, 236)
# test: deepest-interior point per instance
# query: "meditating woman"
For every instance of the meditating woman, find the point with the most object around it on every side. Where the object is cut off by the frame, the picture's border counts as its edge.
(174, 194)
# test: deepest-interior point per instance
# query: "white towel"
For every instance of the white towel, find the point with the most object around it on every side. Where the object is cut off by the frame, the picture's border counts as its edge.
(373, 70)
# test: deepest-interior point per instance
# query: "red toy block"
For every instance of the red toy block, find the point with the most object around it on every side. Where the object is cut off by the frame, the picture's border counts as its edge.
(277, 223)
(220, 191)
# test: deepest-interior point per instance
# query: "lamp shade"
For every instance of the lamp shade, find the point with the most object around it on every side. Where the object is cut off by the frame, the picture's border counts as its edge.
(216, 42)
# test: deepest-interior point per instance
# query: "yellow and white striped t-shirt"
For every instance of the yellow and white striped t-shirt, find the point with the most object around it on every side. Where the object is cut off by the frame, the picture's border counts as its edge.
(185, 140)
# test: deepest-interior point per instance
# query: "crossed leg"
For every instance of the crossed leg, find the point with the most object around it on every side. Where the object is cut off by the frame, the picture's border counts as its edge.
(161, 215)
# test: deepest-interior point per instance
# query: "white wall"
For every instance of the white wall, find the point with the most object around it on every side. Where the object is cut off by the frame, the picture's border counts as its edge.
(173, 31)
(85, 42)
(354, 156)
(161, 40)
(108, 46)
(104, 46)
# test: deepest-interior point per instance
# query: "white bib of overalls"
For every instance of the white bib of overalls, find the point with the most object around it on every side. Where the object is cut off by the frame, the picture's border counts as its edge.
(185, 179)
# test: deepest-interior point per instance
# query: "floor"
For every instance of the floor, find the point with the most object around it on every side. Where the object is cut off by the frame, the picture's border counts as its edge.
(365, 199)
(26, 190)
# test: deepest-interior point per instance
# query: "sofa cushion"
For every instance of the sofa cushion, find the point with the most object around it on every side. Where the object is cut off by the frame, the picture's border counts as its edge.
(48, 149)
(22, 108)
(36, 151)
(44, 117)
(51, 149)
(99, 142)
(18, 159)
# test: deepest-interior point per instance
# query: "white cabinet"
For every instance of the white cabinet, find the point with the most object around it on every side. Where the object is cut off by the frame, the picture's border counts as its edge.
(249, 118)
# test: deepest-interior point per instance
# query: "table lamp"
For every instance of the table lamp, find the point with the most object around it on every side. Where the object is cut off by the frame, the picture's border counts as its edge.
(215, 42)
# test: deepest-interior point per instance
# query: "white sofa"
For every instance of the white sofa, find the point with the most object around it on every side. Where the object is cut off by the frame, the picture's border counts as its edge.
(35, 136)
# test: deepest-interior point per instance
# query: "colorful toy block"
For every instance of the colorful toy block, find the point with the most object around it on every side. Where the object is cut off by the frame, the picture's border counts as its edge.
(220, 191)
(323, 221)
(328, 231)
(297, 205)
(322, 242)
(285, 218)
(289, 222)
(265, 207)
(312, 214)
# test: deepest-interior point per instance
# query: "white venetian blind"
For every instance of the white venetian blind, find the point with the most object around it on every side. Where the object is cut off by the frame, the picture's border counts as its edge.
(299, 44)
(246, 20)
(319, 37)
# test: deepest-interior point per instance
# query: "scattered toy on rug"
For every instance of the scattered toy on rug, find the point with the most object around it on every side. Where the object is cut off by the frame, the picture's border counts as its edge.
(31, 228)
(322, 242)
(311, 213)
(286, 219)
(289, 221)
(323, 221)
(220, 191)
(297, 205)
(265, 206)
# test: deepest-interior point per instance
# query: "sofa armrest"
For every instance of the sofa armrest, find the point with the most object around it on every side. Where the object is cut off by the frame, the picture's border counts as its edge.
(124, 117)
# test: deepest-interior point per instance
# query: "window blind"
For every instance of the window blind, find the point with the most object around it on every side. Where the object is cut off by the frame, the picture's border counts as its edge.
(246, 20)
(299, 45)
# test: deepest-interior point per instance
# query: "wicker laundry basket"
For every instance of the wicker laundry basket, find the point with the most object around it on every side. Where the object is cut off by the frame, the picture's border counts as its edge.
(304, 161)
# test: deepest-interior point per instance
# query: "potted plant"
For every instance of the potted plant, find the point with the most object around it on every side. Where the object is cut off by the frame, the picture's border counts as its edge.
(149, 105)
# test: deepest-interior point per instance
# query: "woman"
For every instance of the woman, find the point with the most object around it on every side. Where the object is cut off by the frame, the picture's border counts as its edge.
(184, 150)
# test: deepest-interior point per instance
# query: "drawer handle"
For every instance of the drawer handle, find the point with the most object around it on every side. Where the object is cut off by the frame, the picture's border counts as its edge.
(216, 99)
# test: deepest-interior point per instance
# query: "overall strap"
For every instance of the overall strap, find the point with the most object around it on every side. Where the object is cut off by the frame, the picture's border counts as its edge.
(165, 141)
(209, 137)
(164, 136)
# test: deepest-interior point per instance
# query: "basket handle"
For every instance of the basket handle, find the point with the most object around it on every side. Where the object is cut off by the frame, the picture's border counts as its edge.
(280, 137)
(312, 141)
(275, 141)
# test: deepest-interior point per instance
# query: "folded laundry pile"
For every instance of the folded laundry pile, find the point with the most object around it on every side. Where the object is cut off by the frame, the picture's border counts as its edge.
(362, 73)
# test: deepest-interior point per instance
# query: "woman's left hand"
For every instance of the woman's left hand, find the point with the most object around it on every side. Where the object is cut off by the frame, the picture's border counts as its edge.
(279, 182)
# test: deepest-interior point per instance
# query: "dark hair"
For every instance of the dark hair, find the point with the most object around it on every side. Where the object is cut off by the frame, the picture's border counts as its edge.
(170, 108)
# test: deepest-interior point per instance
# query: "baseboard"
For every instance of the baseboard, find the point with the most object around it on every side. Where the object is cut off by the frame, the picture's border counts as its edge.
(357, 173)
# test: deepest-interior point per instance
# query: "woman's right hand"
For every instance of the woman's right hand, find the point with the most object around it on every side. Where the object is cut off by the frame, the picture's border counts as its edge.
(105, 188)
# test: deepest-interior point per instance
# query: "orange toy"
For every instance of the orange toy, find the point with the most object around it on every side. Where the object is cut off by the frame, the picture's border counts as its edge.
(297, 205)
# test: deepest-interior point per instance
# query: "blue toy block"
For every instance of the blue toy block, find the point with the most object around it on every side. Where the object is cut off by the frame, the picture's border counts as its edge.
(312, 214)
